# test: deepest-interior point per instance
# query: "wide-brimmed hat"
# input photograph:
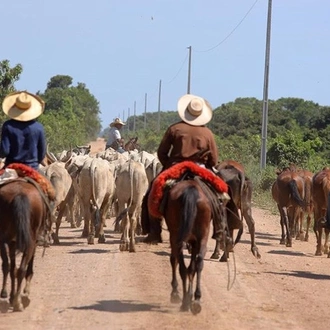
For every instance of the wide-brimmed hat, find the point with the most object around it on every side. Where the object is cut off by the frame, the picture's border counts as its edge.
(194, 110)
(23, 106)
(117, 121)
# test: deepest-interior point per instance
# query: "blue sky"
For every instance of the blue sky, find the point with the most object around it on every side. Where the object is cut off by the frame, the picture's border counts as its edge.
(121, 49)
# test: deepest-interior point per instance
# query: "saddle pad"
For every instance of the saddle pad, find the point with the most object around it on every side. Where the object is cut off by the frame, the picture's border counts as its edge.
(27, 171)
(175, 172)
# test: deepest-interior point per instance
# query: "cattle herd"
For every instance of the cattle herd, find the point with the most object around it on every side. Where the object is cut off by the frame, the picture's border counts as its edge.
(91, 188)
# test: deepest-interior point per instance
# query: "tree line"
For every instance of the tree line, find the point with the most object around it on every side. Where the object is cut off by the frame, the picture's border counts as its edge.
(298, 129)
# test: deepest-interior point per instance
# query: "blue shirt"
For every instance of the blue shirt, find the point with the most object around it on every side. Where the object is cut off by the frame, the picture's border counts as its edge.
(23, 142)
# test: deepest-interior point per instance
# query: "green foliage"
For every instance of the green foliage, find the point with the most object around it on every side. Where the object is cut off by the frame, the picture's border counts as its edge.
(8, 76)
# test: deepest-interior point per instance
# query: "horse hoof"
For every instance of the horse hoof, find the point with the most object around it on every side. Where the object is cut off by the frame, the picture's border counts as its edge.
(318, 253)
(195, 307)
(101, 239)
(4, 294)
(282, 242)
(4, 306)
(175, 298)
(25, 301)
(215, 255)
(224, 258)
(90, 240)
(123, 246)
(18, 307)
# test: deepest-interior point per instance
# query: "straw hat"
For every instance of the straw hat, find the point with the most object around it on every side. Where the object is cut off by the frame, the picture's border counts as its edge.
(194, 110)
(117, 121)
(23, 106)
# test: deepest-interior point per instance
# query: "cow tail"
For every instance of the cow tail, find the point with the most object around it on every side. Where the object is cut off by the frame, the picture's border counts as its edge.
(295, 193)
(21, 212)
(97, 219)
(189, 212)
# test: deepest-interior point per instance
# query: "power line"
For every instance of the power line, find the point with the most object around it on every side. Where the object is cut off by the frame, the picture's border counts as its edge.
(235, 28)
(184, 61)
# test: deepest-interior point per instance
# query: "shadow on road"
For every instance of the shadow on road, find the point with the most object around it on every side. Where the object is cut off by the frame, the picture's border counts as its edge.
(83, 251)
(121, 306)
(288, 253)
(303, 274)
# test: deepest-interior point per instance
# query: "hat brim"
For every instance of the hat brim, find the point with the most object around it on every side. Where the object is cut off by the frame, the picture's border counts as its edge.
(187, 117)
(116, 123)
(35, 110)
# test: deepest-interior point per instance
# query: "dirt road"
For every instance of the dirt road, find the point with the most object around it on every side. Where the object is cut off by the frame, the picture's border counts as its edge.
(78, 286)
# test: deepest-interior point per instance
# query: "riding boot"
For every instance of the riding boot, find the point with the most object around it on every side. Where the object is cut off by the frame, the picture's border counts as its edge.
(150, 225)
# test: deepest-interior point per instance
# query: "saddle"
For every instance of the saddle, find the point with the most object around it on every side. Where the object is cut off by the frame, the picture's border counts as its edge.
(178, 172)
(17, 171)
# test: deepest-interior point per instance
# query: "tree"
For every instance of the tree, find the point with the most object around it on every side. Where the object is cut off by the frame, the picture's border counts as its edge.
(8, 76)
(59, 81)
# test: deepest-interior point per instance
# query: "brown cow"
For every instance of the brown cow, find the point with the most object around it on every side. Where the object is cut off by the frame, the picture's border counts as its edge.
(288, 192)
(320, 192)
(240, 190)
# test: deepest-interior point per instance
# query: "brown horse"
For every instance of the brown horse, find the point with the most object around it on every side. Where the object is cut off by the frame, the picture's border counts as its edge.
(23, 217)
(308, 208)
(320, 192)
(132, 144)
(188, 214)
(288, 192)
(240, 191)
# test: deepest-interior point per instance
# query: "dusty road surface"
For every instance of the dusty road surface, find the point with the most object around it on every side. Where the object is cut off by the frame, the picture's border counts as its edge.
(80, 286)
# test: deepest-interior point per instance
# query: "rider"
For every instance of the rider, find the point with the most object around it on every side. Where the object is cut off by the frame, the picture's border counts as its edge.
(114, 140)
(188, 139)
(22, 137)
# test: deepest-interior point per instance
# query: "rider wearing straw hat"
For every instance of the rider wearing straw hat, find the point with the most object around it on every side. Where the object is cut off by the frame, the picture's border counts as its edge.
(188, 139)
(114, 140)
(22, 137)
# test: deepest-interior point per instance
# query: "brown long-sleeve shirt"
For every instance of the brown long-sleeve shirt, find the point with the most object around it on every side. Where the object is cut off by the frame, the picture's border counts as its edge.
(183, 141)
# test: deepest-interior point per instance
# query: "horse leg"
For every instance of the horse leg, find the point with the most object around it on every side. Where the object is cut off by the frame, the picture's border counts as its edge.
(308, 223)
(216, 252)
(318, 232)
(184, 274)
(12, 270)
(5, 271)
(28, 277)
(282, 240)
(175, 298)
(326, 244)
(247, 214)
(285, 222)
(195, 305)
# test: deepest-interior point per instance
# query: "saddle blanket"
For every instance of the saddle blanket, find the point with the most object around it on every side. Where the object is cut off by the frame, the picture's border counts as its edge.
(17, 170)
(175, 172)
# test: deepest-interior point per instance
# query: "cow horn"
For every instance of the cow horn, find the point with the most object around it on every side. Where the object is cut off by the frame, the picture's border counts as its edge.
(50, 156)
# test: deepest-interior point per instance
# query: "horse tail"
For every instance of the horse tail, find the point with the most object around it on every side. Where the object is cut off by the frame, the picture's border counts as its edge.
(21, 212)
(189, 211)
(327, 215)
(295, 193)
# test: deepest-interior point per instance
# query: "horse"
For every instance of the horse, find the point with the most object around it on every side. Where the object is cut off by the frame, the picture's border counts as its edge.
(132, 144)
(288, 191)
(320, 195)
(188, 210)
(240, 191)
(23, 218)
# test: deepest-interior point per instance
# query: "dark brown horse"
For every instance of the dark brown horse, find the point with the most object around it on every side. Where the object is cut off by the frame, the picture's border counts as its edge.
(132, 144)
(188, 214)
(23, 217)
(288, 192)
(320, 193)
(240, 191)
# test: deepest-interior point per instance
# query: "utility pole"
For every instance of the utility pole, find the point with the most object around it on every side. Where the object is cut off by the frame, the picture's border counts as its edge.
(145, 110)
(159, 96)
(189, 71)
(134, 122)
(128, 114)
(265, 93)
